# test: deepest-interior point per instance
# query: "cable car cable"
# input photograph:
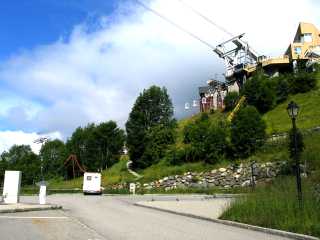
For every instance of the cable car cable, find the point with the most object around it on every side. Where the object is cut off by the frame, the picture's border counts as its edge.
(206, 18)
(174, 24)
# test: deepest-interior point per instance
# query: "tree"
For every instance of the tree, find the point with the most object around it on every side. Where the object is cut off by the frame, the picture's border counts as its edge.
(21, 158)
(82, 144)
(248, 131)
(53, 154)
(230, 100)
(153, 107)
(281, 87)
(302, 81)
(157, 139)
(97, 146)
(110, 141)
(207, 141)
(259, 92)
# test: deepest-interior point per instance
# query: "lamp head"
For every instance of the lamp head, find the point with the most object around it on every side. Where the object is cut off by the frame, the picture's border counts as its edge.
(293, 110)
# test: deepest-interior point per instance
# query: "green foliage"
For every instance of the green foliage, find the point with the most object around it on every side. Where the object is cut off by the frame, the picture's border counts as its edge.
(97, 146)
(302, 81)
(276, 206)
(205, 141)
(230, 100)
(21, 158)
(281, 87)
(278, 120)
(153, 107)
(259, 92)
(53, 153)
(247, 132)
(157, 139)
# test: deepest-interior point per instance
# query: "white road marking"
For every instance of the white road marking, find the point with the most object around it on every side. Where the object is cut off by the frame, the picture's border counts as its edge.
(27, 217)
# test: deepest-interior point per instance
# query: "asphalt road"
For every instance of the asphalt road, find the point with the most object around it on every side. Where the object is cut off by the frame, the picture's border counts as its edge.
(116, 218)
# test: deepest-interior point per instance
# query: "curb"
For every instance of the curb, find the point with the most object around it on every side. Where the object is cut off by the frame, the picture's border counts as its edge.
(55, 207)
(280, 233)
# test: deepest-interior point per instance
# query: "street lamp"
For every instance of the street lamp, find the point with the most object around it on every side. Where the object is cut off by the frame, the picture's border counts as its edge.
(293, 110)
(41, 141)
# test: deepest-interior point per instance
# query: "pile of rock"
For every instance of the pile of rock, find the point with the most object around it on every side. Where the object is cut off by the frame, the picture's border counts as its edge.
(232, 176)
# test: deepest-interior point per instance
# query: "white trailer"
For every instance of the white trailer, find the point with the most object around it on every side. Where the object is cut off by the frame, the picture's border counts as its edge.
(92, 183)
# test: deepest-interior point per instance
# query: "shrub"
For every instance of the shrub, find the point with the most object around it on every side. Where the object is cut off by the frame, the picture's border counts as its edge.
(259, 92)
(230, 100)
(302, 81)
(281, 87)
(157, 140)
(248, 132)
(205, 141)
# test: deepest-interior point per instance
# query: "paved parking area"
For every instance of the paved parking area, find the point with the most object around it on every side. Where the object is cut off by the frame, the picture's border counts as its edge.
(117, 218)
(44, 225)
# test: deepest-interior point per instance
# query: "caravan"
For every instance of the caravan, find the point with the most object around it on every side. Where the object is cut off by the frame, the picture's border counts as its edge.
(92, 183)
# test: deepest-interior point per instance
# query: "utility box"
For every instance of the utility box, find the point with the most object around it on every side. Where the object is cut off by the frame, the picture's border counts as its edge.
(92, 183)
(11, 186)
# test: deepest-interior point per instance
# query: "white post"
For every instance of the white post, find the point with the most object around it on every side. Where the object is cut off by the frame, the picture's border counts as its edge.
(42, 194)
(132, 188)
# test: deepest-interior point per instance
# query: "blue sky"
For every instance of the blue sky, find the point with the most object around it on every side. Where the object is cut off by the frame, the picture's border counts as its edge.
(26, 24)
(65, 63)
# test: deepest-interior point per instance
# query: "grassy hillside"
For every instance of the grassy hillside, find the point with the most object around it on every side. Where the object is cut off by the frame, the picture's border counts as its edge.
(309, 116)
(277, 121)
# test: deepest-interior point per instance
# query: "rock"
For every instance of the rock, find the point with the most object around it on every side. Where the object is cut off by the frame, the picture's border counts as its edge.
(237, 176)
(246, 183)
(165, 179)
(214, 171)
(222, 170)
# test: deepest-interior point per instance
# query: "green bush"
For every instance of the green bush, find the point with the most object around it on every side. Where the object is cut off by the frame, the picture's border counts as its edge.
(281, 87)
(230, 100)
(205, 141)
(157, 140)
(260, 92)
(302, 81)
(248, 132)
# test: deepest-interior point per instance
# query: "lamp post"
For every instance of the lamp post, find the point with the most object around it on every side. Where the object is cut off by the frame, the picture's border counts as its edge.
(293, 110)
(41, 141)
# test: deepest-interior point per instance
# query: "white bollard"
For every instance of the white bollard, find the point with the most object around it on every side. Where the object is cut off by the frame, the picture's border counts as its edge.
(132, 188)
(42, 194)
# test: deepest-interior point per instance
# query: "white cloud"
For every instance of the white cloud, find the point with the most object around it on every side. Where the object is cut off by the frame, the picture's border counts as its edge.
(96, 75)
(10, 138)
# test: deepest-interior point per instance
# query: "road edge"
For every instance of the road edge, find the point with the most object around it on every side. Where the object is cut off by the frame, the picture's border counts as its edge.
(15, 210)
(281, 233)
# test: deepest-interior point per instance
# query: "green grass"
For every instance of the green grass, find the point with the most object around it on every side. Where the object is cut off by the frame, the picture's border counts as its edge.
(278, 120)
(161, 170)
(276, 206)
